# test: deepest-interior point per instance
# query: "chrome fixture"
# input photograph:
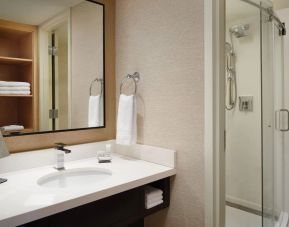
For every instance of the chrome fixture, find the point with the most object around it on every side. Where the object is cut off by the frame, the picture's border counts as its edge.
(60, 155)
(135, 77)
(272, 16)
(246, 103)
(96, 80)
(239, 31)
(3, 153)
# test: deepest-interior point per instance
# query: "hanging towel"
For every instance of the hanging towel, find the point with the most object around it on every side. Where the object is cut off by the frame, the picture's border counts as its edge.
(93, 111)
(14, 84)
(126, 120)
(14, 88)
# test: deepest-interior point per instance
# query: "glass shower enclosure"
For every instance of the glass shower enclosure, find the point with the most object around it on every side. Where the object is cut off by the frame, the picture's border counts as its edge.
(256, 118)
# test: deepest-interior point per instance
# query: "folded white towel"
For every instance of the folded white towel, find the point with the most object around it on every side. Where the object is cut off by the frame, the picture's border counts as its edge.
(154, 199)
(93, 111)
(12, 128)
(14, 88)
(126, 120)
(152, 191)
(151, 205)
(15, 92)
(14, 84)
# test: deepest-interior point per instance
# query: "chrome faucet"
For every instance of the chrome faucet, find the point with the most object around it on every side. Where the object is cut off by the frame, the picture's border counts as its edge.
(60, 151)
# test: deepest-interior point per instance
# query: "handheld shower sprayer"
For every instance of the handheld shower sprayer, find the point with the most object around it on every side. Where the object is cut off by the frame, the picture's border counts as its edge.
(237, 31)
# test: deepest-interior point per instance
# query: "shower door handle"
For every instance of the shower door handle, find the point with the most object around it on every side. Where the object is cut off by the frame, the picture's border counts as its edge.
(282, 120)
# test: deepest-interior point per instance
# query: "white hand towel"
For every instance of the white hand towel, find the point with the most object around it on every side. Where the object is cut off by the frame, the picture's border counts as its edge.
(14, 88)
(93, 111)
(126, 120)
(151, 205)
(14, 84)
(12, 128)
(15, 92)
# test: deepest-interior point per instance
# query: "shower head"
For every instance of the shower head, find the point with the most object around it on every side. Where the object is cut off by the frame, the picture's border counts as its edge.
(240, 30)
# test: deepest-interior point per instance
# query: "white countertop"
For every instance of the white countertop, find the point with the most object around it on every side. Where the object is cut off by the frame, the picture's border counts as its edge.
(22, 200)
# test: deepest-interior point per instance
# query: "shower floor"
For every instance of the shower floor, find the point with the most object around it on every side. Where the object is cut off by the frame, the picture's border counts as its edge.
(240, 218)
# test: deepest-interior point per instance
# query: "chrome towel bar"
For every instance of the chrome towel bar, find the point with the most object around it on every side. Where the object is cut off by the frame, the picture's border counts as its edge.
(135, 77)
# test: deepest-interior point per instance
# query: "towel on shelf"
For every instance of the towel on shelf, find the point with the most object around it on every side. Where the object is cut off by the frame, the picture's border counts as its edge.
(14, 88)
(14, 84)
(126, 120)
(93, 111)
(15, 92)
(10, 128)
(151, 205)
(153, 197)
(152, 191)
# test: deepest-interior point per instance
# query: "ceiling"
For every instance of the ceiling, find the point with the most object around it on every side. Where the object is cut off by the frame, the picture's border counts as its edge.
(33, 12)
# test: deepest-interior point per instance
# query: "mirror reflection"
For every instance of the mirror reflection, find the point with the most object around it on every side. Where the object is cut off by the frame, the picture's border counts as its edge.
(51, 65)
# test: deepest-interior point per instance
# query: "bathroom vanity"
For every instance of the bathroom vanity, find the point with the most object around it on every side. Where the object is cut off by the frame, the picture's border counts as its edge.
(70, 72)
(86, 193)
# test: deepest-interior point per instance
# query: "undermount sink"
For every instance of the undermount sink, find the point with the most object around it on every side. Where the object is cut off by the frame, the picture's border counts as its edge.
(77, 177)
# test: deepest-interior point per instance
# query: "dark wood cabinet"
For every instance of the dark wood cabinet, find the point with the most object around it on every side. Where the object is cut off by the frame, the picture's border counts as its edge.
(126, 209)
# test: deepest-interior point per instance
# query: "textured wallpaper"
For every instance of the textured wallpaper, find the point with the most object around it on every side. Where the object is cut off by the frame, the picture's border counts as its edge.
(163, 41)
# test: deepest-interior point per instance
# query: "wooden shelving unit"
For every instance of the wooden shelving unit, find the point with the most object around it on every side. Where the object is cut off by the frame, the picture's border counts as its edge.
(14, 61)
(27, 96)
(18, 62)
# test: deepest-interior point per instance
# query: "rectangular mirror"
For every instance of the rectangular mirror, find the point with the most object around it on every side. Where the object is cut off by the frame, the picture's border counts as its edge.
(51, 66)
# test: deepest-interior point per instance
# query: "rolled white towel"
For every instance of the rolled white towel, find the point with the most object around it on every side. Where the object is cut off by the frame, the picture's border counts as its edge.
(15, 92)
(151, 205)
(14, 84)
(10, 128)
(14, 88)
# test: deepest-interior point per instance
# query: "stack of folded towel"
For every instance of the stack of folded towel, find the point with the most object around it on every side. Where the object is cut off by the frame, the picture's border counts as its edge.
(153, 197)
(12, 128)
(14, 88)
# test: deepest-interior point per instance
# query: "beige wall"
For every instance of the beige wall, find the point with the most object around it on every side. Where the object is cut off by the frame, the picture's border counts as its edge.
(163, 40)
(281, 4)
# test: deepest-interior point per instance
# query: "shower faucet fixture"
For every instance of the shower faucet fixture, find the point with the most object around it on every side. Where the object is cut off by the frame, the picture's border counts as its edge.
(240, 30)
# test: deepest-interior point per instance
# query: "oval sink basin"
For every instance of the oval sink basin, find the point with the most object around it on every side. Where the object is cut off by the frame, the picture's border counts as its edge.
(78, 177)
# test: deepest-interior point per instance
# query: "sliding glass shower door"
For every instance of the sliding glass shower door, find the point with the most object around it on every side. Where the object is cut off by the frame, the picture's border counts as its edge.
(274, 118)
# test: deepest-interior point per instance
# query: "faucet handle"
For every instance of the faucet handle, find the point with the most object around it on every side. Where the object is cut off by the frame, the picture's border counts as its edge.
(60, 145)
